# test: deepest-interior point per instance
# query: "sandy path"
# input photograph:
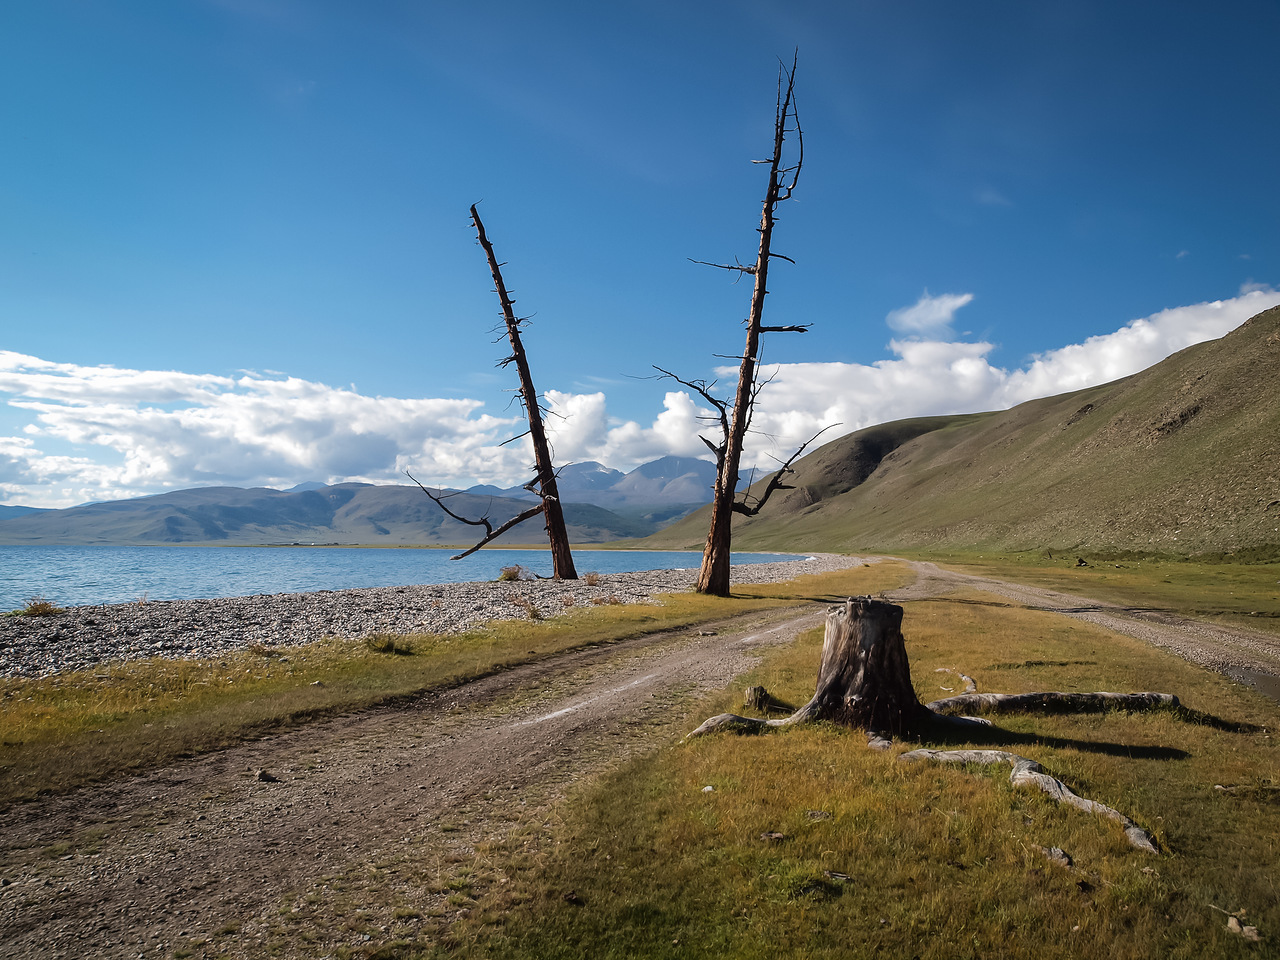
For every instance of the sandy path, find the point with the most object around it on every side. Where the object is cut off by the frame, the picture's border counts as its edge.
(174, 856)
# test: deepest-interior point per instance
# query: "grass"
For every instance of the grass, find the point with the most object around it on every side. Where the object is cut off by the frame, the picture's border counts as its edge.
(810, 844)
(36, 607)
(63, 731)
(1243, 594)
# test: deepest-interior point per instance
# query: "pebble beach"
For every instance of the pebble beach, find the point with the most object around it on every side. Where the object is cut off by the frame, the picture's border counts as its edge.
(79, 638)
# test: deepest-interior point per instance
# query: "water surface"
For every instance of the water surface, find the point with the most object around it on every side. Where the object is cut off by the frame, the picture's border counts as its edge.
(75, 576)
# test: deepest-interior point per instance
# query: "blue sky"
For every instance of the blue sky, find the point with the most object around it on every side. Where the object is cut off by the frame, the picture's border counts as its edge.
(234, 242)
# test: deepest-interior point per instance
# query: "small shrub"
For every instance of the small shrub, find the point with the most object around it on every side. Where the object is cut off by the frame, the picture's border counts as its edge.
(387, 643)
(39, 607)
(529, 607)
(512, 573)
(592, 579)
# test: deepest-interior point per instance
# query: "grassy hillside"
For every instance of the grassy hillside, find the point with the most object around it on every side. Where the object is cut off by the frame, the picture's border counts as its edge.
(1182, 458)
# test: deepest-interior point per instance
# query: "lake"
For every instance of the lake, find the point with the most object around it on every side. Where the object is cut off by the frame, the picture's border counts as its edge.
(77, 576)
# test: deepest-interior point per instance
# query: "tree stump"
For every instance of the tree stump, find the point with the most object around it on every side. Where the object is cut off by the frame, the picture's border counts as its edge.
(864, 680)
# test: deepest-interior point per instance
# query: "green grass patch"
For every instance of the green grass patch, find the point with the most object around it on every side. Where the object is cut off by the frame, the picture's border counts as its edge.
(811, 845)
(62, 731)
(1247, 594)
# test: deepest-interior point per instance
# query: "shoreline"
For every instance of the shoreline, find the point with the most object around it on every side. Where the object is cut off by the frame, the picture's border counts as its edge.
(79, 638)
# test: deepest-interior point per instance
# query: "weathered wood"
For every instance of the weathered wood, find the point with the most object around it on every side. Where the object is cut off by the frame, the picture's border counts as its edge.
(713, 575)
(1053, 702)
(1028, 773)
(864, 680)
(557, 533)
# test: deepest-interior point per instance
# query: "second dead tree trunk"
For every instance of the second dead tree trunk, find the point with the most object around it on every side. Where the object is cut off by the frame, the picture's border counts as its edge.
(543, 483)
(545, 478)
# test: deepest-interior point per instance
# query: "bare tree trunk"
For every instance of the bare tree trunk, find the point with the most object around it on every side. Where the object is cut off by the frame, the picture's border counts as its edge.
(865, 678)
(713, 577)
(561, 554)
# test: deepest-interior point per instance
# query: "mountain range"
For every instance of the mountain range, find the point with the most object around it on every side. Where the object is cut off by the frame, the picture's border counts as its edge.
(642, 501)
(1182, 458)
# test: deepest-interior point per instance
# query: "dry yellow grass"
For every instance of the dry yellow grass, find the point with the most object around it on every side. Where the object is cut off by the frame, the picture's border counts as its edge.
(809, 844)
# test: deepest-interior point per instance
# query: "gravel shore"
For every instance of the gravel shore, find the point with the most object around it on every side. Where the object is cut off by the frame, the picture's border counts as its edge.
(82, 637)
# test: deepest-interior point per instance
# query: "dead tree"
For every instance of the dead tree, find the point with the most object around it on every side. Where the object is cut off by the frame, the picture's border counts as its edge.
(735, 420)
(544, 481)
(864, 682)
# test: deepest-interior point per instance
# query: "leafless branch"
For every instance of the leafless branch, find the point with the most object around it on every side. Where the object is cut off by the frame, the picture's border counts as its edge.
(490, 533)
(776, 482)
(513, 439)
(495, 534)
(702, 388)
(735, 267)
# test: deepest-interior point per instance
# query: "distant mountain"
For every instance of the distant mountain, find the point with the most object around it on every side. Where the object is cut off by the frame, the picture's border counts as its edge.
(343, 513)
(1182, 458)
(657, 492)
(17, 511)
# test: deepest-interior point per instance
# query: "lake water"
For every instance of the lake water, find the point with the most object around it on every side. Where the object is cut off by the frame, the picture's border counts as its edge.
(76, 576)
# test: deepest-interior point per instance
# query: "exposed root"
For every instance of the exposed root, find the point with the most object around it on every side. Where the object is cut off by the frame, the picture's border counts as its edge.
(1054, 702)
(731, 721)
(970, 685)
(1029, 773)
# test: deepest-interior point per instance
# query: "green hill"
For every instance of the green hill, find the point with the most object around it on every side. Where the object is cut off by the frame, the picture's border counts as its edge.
(1182, 458)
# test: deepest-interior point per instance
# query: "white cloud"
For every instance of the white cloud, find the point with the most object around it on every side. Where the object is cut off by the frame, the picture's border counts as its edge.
(145, 431)
(928, 316)
(673, 432)
(929, 377)
(990, 197)
(98, 432)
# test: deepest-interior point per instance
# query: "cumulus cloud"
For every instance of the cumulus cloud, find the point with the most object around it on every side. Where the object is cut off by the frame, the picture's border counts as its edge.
(929, 316)
(929, 377)
(674, 431)
(100, 432)
(147, 431)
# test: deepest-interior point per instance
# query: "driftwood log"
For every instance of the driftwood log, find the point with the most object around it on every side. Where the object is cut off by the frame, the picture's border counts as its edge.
(864, 682)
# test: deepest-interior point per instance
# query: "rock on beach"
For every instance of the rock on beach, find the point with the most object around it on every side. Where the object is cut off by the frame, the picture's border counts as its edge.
(79, 638)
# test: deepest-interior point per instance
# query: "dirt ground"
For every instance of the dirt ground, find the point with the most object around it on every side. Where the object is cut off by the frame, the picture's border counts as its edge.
(368, 829)
(1251, 656)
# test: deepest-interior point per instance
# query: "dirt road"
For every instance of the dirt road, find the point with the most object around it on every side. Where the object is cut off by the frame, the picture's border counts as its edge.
(1250, 656)
(212, 850)
(306, 841)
